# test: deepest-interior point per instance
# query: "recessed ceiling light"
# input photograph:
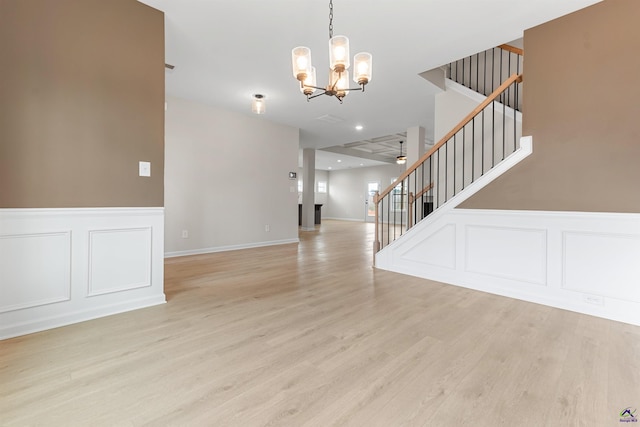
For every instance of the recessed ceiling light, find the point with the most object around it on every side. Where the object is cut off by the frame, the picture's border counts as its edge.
(329, 167)
(339, 161)
(361, 164)
(359, 127)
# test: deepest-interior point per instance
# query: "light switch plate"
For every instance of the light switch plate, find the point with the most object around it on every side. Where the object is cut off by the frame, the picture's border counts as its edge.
(145, 169)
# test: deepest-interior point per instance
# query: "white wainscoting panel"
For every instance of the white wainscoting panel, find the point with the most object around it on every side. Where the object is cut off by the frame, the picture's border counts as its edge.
(602, 263)
(62, 266)
(520, 255)
(588, 262)
(29, 261)
(437, 249)
(119, 260)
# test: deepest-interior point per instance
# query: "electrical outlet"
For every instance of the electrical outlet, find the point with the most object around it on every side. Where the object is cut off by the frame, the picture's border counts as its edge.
(185, 234)
(267, 228)
(593, 299)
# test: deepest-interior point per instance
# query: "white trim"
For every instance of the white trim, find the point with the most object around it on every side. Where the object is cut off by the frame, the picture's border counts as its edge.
(345, 219)
(66, 250)
(613, 216)
(66, 212)
(230, 248)
(65, 319)
(146, 282)
(602, 263)
(468, 258)
(37, 273)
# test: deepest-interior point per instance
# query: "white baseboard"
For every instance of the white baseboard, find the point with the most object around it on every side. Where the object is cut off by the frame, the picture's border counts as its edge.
(345, 219)
(56, 321)
(62, 266)
(229, 248)
(585, 262)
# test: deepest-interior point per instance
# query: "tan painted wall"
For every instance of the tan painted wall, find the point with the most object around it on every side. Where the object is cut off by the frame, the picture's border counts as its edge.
(582, 107)
(81, 102)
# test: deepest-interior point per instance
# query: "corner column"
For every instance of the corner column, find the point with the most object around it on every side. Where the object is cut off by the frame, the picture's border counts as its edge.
(415, 144)
(308, 189)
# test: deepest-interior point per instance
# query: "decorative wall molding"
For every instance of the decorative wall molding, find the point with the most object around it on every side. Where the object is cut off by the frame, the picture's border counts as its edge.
(434, 250)
(230, 248)
(62, 266)
(521, 255)
(119, 260)
(27, 260)
(580, 261)
(592, 259)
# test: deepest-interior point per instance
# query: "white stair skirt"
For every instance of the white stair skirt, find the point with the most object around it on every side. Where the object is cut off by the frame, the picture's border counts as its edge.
(580, 261)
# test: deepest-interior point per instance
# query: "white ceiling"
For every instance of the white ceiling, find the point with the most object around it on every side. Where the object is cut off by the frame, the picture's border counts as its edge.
(326, 160)
(226, 50)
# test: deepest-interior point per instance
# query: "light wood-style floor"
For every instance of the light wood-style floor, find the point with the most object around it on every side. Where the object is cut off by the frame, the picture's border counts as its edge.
(311, 335)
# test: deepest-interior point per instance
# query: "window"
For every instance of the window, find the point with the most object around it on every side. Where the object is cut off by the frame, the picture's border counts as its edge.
(322, 186)
(372, 187)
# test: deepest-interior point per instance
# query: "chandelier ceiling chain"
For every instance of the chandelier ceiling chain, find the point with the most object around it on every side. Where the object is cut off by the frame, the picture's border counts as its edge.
(339, 64)
(330, 19)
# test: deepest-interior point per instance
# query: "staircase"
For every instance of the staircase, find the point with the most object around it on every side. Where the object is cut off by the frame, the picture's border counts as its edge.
(479, 148)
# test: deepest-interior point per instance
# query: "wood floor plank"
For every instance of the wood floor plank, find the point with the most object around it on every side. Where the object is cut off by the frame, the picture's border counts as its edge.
(309, 334)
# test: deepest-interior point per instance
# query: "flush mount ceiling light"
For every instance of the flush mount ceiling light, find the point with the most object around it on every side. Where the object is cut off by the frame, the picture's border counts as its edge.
(338, 67)
(258, 105)
(401, 159)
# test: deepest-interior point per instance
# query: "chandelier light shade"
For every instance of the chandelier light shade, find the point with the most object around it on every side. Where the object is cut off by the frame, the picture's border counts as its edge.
(301, 59)
(340, 81)
(401, 159)
(339, 53)
(308, 86)
(339, 63)
(362, 66)
(258, 105)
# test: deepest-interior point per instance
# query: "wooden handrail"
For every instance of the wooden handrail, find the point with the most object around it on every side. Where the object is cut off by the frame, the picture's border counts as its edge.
(513, 49)
(515, 78)
(424, 190)
(412, 200)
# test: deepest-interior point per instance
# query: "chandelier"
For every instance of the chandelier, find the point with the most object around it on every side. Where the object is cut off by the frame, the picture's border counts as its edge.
(339, 64)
